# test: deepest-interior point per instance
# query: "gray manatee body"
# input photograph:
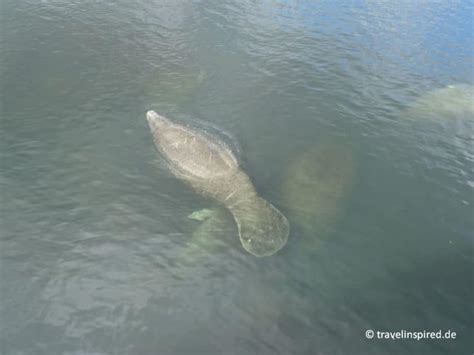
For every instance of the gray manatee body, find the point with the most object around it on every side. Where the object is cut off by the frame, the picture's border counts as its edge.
(210, 168)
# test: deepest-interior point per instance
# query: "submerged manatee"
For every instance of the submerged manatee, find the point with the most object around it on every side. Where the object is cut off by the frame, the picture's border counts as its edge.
(211, 168)
(444, 118)
(449, 111)
(314, 187)
(450, 102)
(211, 236)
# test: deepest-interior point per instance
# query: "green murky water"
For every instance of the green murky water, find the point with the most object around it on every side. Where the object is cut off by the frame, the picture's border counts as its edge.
(345, 121)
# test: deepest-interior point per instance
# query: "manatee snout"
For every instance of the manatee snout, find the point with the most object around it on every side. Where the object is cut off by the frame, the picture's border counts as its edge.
(155, 120)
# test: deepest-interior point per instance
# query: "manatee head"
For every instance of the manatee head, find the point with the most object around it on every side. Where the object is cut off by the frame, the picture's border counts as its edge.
(155, 121)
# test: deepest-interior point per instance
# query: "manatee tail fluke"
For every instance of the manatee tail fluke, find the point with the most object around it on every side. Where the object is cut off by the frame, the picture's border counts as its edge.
(263, 229)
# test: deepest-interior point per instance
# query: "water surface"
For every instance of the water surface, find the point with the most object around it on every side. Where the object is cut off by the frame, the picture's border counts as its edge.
(97, 253)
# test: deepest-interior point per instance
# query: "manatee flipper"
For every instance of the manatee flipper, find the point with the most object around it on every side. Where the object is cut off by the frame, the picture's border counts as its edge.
(213, 227)
(202, 215)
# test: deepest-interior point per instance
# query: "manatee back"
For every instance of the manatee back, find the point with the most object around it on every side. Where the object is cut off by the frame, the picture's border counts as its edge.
(194, 153)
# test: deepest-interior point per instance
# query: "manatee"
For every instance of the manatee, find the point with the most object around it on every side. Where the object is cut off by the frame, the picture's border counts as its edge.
(314, 186)
(450, 102)
(214, 227)
(444, 118)
(210, 167)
